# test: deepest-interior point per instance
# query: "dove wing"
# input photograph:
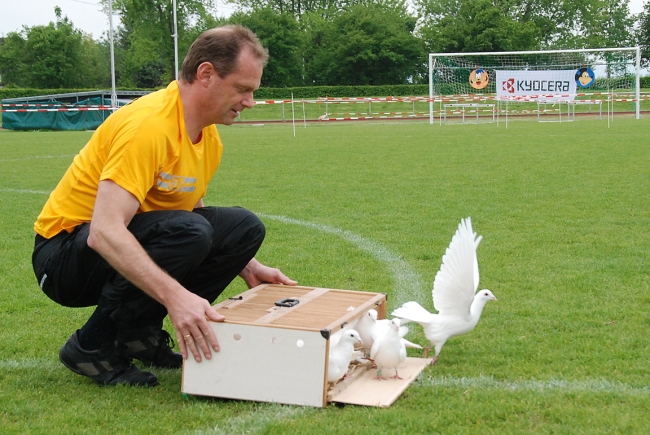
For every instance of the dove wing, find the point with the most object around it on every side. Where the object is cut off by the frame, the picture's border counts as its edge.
(375, 345)
(457, 280)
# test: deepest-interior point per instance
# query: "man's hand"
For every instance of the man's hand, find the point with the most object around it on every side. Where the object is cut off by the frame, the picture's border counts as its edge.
(190, 315)
(255, 273)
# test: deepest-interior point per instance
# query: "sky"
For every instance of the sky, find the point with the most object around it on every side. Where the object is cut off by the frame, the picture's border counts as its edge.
(87, 15)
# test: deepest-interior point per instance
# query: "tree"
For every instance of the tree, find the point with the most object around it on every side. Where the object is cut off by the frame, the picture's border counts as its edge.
(12, 68)
(476, 26)
(145, 38)
(364, 45)
(297, 8)
(643, 35)
(52, 56)
(281, 35)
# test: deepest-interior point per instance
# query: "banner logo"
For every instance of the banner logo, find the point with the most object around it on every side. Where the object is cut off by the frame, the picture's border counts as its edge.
(540, 85)
(508, 86)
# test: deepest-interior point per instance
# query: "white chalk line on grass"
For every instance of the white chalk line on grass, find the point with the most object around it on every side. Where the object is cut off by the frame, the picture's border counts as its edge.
(560, 385)
(256, 420)
(36, 192)
(29, 363)
(17, 159)
(407, 283)
(596, 386)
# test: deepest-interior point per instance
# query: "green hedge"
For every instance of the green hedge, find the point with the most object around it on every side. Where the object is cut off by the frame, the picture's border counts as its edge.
(645, 82)
(341, 91)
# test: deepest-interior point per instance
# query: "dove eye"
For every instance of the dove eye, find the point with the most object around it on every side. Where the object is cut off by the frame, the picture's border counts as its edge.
(485, 293)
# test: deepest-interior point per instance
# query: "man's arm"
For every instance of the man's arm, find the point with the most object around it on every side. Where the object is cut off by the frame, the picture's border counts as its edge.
(109, 236)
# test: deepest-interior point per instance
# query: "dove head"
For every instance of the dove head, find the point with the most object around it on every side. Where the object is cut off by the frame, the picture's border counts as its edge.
(395, 323)
(352, 336)
(485, 295)
(372, 314)
(480, 299)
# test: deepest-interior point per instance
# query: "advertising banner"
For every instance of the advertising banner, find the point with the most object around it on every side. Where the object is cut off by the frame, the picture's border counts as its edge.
(536, 85)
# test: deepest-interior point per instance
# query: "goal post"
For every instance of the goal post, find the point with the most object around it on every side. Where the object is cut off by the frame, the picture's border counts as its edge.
(570, 76)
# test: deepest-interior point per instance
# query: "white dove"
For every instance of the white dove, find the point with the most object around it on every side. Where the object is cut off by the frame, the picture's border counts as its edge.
(340, 355)
(368, 326)
(388, 349)
(454, 288)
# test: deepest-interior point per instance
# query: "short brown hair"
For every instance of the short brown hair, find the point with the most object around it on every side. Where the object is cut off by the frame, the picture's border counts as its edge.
(221, 47)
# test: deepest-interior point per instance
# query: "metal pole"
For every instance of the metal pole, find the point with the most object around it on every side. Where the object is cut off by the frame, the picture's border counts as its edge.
(175, 35)
(638, 83)
(431, 102)
(293, 116)
(110, 37)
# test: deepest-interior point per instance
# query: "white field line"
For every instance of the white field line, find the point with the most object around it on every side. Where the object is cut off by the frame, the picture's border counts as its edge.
(561, 385)
(37, 192)
(257, 420)
(30, 363)
(407, 285)
(37, 157)
(267, 411)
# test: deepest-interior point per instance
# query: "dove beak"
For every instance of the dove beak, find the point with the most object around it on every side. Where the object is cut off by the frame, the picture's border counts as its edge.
(494, 298)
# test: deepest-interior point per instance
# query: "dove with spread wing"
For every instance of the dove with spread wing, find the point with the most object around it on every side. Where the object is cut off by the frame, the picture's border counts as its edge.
(454, 293)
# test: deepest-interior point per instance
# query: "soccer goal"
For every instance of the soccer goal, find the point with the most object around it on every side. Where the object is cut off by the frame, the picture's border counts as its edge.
(548, 85)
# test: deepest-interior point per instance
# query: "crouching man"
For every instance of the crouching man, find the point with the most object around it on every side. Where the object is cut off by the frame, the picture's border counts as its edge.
(126, 229)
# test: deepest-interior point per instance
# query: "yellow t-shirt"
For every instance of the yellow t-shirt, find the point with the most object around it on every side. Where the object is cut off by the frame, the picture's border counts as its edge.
(144, 148)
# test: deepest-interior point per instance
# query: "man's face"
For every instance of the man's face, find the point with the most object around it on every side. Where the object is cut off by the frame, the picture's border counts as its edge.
(228, 96)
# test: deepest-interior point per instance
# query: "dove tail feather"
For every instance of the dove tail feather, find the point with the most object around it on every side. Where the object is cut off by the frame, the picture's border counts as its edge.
(410, 344)
(414, 312)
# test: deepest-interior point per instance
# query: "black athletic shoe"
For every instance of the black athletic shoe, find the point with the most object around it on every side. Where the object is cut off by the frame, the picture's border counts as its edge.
(152, 346)
(106, 366)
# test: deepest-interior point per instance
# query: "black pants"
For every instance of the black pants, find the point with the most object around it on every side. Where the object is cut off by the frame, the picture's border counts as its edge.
(204, 250)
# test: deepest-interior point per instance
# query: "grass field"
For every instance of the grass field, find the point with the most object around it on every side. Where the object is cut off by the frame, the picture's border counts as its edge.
(564, 210)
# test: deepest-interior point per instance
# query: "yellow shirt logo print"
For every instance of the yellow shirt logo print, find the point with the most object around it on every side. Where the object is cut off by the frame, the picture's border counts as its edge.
(175, 183)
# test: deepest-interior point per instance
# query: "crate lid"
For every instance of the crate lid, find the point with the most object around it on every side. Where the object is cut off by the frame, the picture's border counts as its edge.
(299, 307)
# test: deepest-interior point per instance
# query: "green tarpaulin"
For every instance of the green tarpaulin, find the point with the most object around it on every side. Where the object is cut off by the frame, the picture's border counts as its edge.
(76, 117)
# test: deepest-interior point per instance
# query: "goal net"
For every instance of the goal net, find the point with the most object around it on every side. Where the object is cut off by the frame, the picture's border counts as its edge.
(536, 79)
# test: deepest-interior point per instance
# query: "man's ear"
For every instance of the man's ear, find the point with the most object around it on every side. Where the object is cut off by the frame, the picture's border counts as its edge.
(205, 72)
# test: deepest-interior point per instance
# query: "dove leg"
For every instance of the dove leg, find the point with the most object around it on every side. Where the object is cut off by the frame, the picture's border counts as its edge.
(379, 377)
(426, 350)
(396, 375)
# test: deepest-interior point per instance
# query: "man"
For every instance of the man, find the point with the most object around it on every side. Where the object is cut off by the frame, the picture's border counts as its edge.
(126, 228)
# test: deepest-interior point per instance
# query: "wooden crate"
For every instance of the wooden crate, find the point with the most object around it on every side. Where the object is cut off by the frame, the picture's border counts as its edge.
(275, 345)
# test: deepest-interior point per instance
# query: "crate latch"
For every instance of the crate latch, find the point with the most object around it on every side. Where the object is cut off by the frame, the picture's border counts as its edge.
(288, 302)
